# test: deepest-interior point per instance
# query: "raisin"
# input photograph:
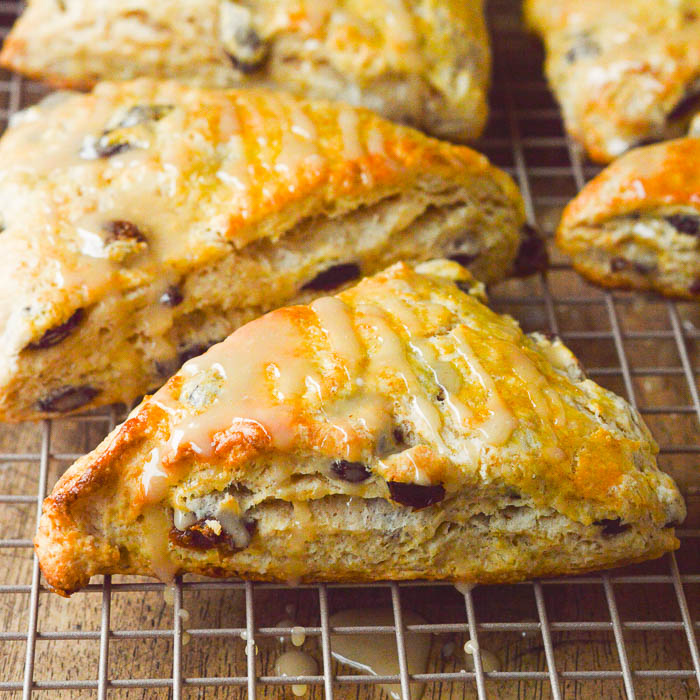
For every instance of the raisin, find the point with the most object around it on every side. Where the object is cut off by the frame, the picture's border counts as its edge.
(166, 368)
(415, 496)
(582, 46)
(685, 223)
(687, 105)
(55, 335)
(247, 51)
(200, 536)
(333, 277)
(138, 114)
(104, 147)
(354, 472)
(191, 351)
(532, 254)
(695, 287)
(618, 264)
(643, 268)
(464, 259)
(120, 230)
(67, 398)
(172, 296)
(612, 526)
(399, 436)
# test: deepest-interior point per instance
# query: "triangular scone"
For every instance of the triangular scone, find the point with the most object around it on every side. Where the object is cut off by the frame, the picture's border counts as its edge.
(398, 430)
(424, 62)
(638, 223)
(624, 72)
(146, 221)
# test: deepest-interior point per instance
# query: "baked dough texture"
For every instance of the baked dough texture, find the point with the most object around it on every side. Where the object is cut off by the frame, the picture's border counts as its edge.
(147, 220)
(624, 72)
(638, 223)
(426, 63)
(398, 430)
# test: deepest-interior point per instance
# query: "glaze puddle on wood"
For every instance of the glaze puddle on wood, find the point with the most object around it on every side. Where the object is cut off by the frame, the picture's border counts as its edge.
(376, 654)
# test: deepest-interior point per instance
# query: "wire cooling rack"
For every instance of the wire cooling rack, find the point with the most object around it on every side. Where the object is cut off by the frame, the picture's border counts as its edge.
(625, 633)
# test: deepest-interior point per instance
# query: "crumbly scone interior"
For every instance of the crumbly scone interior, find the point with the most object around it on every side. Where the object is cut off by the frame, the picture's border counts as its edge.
(399, 430)
(655, 249)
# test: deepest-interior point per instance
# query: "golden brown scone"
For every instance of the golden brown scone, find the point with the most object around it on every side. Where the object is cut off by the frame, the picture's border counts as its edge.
(398, 430)
(147, 220)
(425, 62)
(624, 72)
(638, 223)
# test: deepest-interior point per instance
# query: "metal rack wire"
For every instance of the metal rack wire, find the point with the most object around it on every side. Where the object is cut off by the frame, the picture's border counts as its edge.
(642, 347)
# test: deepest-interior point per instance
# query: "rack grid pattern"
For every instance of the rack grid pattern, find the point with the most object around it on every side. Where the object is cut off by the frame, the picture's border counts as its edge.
(526, 138)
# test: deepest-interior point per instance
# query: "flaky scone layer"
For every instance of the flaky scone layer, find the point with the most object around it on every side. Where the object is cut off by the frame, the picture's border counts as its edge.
(426, 63)
(638, 223)
(147, 220)
(623, 72)
(398, 430)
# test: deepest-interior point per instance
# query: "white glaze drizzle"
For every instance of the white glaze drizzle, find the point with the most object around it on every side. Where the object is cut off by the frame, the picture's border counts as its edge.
(497, 428)
(376, 654)
(348, 123)
(296, 663)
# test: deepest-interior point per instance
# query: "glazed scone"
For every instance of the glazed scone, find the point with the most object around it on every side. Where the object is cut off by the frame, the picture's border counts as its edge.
(624, 72)
(425, 63)
(398, 430)
(638, 223)
(145, 221)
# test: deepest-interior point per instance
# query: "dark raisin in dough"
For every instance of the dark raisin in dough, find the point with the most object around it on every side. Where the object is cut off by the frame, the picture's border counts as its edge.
(104, 147)
(249, 51)
(166, 368)
(687, 105)
(354, 472)
(532, 254)
(201, 536)
(193, 350)
(120, 230)
(464, 259)
(685, 223)
(67, 398)
(55, 335)
(643, 268)
(583, 46)
(138, 114)
(695, 287)
(612, 526)
(618, 264)
(415, 495)
(333, 277)
(172, 296)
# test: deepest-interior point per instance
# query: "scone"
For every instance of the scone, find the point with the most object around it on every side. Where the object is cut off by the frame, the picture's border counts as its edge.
(147, 220)
(398, 430)
(425, 62)
(624, 72)
(638, 223)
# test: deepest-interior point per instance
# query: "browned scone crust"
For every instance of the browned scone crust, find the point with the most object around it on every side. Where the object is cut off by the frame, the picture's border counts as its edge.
(637, 224)
(624, 72)
(399, 430)
(425, 62)
(147, 220)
